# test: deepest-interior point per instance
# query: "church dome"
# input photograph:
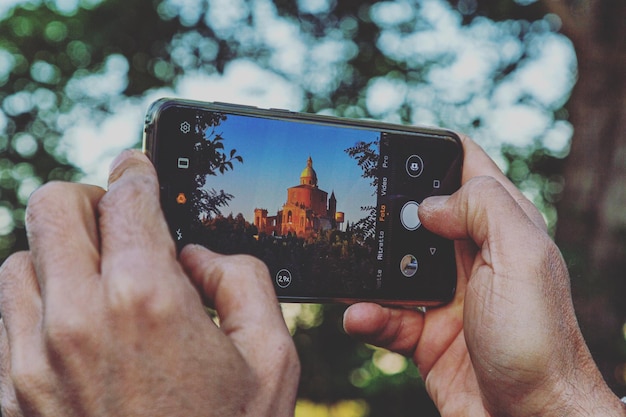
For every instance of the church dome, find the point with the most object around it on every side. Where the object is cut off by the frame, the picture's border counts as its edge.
(308, 175)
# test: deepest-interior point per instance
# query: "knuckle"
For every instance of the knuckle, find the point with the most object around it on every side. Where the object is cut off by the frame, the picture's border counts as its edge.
(15, 262)
(50, 206)
(16, 278)
(483, 184)
(46, 191)
(132, 204)
(13, 268)
(245, 265)
(242, 267)
(24, 379)
(65, 334)
(479, 190)
(28, 379)
(128, 189)
(142, 299)
(26, 385)
(46, 200)
(250, 270)
(480, 194)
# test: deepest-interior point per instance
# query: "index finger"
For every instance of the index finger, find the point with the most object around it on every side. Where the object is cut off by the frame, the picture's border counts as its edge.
(133, 229)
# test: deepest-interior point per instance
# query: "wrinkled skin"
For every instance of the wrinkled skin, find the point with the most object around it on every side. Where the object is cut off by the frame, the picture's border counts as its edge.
(509, 343)
(100, 318)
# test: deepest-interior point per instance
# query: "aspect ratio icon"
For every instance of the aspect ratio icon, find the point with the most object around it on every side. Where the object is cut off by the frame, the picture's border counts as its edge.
(185, 127)
(183, 163)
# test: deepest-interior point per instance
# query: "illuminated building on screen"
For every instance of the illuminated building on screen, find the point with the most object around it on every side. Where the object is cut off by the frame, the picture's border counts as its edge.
(308, 209)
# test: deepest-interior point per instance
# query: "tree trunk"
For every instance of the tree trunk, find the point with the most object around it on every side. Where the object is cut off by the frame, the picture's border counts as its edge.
(592, 211)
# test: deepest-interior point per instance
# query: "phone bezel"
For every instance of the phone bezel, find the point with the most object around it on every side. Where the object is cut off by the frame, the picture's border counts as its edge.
(150, 148)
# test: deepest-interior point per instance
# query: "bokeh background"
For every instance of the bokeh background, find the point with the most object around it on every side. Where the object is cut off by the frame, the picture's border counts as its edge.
(540, 84)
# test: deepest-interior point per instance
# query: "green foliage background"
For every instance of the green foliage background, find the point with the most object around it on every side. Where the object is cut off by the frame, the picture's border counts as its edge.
(61, 62)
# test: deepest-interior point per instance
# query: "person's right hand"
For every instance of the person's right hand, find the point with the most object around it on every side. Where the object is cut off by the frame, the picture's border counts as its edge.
(509, 343)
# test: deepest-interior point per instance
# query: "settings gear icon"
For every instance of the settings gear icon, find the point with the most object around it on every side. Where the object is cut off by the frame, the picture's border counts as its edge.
(185, 127)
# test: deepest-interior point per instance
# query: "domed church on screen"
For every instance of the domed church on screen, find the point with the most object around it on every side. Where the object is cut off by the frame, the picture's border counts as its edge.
(308, 209)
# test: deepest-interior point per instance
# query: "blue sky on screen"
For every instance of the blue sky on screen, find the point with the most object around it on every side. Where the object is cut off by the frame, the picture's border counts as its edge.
(275, 153)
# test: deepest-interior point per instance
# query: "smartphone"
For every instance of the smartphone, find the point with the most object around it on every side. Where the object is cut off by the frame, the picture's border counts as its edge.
(329, 204)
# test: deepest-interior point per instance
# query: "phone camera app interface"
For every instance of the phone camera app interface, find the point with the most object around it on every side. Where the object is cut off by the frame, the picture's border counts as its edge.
(331, 210)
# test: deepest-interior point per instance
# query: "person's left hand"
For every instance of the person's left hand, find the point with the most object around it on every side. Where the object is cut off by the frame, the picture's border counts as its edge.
(101, 319)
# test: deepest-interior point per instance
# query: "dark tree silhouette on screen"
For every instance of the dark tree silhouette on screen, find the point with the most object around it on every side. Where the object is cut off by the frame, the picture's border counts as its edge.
(210, 159)
(366, 155)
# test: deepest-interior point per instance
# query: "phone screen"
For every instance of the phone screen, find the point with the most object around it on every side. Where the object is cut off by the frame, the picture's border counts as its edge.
(329, 205)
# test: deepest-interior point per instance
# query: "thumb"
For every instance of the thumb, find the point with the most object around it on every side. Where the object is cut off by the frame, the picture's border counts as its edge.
(480, 210)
